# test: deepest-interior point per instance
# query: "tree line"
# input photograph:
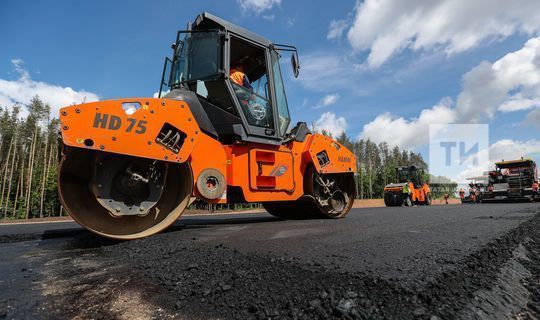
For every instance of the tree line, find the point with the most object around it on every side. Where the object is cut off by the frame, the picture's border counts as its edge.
(376, 163)
(29, 162)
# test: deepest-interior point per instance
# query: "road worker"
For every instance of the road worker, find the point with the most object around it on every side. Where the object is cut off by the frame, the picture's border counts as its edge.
(446, 196)
(411, 189)
(244, 92)
(472, 193)
(406, 195)
(238, 76)
(478, 194)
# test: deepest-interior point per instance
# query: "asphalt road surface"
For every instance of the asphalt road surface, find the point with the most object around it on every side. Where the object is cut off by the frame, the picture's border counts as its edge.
(438, 262)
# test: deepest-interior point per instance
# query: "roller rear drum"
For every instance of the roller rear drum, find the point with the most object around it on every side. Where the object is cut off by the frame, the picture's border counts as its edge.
(122, 197)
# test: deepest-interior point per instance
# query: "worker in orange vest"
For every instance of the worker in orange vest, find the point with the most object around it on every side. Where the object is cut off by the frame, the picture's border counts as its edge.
(238, 76)
(446, 196)
(411, 195)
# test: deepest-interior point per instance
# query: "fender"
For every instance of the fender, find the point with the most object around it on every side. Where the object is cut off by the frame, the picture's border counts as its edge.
(328, 156)
(140, 127)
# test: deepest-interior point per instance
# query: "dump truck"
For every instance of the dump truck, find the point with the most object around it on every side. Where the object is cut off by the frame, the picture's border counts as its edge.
(512, 180)
(130, 167)
(408, 175)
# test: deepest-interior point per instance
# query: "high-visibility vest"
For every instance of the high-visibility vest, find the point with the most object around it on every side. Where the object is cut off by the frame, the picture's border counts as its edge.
(237, 77)
(406, 189)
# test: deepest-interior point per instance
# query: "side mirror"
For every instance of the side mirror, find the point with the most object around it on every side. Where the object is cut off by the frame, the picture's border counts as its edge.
(295, 64)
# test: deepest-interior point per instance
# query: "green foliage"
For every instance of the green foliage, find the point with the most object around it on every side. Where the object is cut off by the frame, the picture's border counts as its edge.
(376, 164)
(28, 150)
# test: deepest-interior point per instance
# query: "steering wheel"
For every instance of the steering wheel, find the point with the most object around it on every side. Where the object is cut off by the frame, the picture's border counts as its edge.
(258, 111)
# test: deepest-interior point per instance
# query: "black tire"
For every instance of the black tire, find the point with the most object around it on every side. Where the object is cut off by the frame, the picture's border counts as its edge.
(388, 199)
(392, 200)
(427, 202)
(343, 181)
(409, 202)
(308, 207)
(290, 210)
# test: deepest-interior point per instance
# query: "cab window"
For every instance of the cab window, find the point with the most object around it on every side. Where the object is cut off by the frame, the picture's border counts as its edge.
(281, 99)
(198, 59)
(249, 79)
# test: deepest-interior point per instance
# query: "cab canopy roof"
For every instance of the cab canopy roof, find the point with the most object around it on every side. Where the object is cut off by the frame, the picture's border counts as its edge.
(206, 21)
(515, 163)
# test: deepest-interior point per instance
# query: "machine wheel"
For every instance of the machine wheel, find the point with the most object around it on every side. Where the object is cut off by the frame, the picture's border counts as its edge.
(388, 199)
(122, 197)
(392, 199)
(427, 202)
(326, 196)
(290, 209)
(333, 194)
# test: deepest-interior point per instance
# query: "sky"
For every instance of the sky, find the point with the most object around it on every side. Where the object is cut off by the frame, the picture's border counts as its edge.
(377, 69)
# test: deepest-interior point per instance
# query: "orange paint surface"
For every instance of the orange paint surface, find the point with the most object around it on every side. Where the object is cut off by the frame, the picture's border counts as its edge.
(263, 172)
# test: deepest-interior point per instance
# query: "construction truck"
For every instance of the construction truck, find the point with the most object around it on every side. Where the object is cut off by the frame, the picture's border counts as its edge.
(512, 180)
(129, 167)
(410, 177)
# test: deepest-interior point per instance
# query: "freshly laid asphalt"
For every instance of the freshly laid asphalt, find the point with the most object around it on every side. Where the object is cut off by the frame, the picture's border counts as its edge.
(423, 262)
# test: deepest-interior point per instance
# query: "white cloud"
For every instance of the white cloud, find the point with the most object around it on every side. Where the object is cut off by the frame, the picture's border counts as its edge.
(508, 149)
(516, 104)
(533, 117)
(329, 122)
(512, 83)
(505, 149)
(257, 6)
(408, 134)
(269, 17)
(23, 89)
(322, 72)
(336, 28)
(386, 27)
(304, 102)
(290, 23)
(327, 100)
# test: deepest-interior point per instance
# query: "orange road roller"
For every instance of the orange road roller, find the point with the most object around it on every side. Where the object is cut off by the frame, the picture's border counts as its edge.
(411, 177)
(218, 132)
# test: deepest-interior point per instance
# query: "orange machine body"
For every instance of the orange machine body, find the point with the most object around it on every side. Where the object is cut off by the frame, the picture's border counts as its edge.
(418, 193)
(262, 172)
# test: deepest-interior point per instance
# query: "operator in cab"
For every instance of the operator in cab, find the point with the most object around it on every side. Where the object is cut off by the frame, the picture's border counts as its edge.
(238, 76)
(257, 108)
